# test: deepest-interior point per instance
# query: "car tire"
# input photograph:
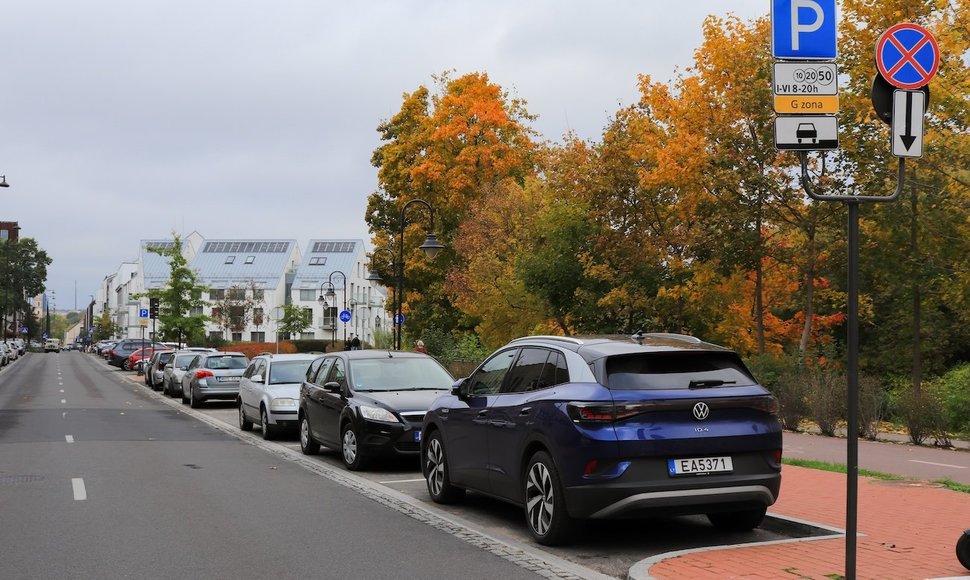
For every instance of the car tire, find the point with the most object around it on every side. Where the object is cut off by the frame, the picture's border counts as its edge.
(185, 400)
(738, 521)
(266, 430)
(244, 423)
(963, 549)
(126, 365)
(193, 401)
(545, 503)
(351, 450)
(435, 468)
(307, 445)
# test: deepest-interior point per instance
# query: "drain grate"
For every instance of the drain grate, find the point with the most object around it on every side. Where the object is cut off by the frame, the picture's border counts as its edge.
(20, 479)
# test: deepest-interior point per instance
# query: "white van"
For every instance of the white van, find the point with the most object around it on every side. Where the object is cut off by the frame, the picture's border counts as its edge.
(52, 345)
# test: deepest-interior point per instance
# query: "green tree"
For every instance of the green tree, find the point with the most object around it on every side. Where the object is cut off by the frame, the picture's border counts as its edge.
(25, 272)
(104, 326)
(180, 301)
(293, 321)
(236, 307)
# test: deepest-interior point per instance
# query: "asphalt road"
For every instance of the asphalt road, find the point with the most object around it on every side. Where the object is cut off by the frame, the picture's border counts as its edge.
(168, 490)
(98, 479)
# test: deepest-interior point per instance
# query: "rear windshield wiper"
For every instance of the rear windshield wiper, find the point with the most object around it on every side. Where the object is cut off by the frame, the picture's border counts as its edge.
(706, 384)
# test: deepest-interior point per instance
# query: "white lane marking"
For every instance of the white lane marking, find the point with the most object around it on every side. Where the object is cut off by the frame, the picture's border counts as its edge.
(401, 481)
(69, 438)
(63, 414)
(939, 464)
(80, 494)
(62, 390)
(63, 401)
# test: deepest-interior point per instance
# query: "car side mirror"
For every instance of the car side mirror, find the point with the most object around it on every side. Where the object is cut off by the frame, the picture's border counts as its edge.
(256, 378)
(332, 386)
(458, 388)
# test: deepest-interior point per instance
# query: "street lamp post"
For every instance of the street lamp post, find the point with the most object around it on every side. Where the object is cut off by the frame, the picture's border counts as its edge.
(431, 247)
(323, 303)
(332, 295)
(374, 276)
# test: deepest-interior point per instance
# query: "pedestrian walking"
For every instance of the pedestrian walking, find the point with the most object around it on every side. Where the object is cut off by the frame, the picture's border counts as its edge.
(355, 343)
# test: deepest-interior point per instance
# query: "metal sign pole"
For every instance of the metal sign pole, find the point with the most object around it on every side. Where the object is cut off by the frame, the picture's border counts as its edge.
(852, 445)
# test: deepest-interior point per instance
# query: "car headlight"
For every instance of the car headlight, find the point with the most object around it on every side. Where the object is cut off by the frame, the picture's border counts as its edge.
(377, 414)
(282, 404)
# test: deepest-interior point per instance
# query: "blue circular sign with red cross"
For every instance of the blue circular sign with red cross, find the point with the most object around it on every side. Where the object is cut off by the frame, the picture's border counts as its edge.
(907, 56)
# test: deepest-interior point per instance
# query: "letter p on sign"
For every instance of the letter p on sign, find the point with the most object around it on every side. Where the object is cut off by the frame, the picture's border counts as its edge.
(803, 29)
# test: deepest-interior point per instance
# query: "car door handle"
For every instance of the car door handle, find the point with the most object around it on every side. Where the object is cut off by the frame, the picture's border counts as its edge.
(525, 411)
(483, 412)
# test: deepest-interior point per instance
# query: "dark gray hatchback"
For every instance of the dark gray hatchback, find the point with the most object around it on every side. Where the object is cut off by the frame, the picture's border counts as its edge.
(606, 427)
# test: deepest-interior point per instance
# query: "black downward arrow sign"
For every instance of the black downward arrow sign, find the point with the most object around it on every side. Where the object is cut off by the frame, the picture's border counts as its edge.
(908, 138)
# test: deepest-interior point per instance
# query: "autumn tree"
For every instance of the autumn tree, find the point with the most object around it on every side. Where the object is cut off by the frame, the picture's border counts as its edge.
(450, 149)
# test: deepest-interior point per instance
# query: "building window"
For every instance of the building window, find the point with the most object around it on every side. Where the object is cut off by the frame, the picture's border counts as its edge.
(258, 316)
(196, 311)
(215, 334)
(216, 312)
(237, 294)
(259, 294)
(217, 294)
(308, 295)
(307, 336)
(230, 259)
(250, 259)
(308, 315)
(257, 336)
(237, 337)
(318, 261)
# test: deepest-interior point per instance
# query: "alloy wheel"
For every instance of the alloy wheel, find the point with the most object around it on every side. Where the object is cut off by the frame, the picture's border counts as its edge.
(436, 466)
(539, 498)
(349, 446)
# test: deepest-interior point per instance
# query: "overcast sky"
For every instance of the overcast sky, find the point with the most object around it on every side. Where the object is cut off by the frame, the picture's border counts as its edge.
(130, 119)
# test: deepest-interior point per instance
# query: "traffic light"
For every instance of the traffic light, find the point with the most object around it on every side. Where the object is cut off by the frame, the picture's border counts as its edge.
(153, 308)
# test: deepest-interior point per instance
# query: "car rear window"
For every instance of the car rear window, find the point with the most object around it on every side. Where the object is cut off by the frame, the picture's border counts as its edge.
(226, 362)
(676, 370)
(184, 359)
(163, 357)
(290, 371)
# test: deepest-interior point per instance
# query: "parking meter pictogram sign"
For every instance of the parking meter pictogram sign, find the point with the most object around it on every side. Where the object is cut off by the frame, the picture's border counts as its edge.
(907, 56)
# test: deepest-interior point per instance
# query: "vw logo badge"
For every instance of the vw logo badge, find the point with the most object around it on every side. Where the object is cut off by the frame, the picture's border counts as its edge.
(701, 411)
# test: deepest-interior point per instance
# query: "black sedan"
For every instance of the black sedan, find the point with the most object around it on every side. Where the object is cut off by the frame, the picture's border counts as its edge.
(368, 402)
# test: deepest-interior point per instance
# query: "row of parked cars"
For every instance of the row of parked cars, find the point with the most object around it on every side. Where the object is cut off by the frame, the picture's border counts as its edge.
(567, 428)
(12, 350)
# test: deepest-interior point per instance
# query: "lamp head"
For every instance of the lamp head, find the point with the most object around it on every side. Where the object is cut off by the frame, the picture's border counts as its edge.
(431, 246)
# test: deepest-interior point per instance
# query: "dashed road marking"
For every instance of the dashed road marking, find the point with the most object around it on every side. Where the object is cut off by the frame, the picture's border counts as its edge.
(80, 494)
(69, 438)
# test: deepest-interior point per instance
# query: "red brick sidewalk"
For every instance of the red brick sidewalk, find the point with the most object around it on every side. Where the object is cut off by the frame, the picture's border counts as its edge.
(907, 531)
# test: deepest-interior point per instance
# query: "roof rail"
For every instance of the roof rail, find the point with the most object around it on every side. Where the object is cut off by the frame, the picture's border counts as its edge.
(568, 339)
(674, 336)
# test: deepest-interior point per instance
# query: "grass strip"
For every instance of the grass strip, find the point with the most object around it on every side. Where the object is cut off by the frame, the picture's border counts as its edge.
(840, 468)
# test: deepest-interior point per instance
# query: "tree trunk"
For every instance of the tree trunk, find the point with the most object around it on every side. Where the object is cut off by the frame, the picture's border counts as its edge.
(759, 289)
(809, 296)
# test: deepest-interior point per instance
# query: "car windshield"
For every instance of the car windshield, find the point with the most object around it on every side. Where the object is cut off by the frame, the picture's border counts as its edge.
(184, 359)
(163, 357)
(679, 370)
(399, 374)
(288, 371)
(226, 362)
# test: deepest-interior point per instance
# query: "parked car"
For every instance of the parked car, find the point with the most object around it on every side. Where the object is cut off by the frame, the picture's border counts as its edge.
(368, 403)
(12, 352)
(213, 375)
(4, 354)
(174, 370)
(20, 345)
(142, 354)
(154, 368)
(576, 428)
(269, 392)
(119, 353)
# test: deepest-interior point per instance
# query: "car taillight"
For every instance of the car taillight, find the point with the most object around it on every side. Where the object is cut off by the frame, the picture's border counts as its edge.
(766, 404)
(203, 374)
(603, 413)
(778, 456)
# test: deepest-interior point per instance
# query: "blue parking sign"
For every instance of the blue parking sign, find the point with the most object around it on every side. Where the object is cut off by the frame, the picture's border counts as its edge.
(803, 29)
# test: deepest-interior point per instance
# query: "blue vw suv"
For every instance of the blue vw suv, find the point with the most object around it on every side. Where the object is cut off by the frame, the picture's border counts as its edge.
(606, 427)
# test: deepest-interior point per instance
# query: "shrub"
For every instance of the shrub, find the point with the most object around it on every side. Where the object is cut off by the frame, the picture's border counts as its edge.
(316, 345)
(923, 413)
(954, 388)
(873, 406)
(787, 382)
(826, 397)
